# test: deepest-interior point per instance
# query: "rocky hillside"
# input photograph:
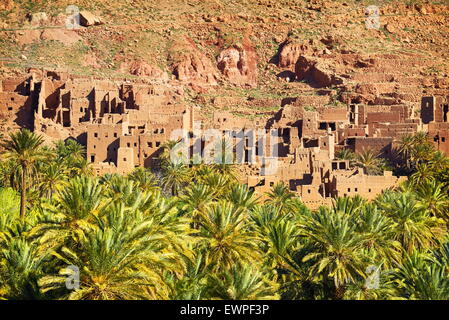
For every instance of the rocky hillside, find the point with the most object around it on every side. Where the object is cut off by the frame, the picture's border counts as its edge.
(246, 56)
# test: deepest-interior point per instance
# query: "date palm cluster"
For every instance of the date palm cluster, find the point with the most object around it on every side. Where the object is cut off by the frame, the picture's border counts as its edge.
(193, 232)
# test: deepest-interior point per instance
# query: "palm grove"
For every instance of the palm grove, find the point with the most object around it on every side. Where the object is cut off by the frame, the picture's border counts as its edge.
(194, 232)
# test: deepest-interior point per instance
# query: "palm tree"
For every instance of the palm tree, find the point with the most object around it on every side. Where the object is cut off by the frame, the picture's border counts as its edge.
(439, 162)
(433, 197)
(281, 196)
(241, 196)
(419, 148)
(72, 213)
(51, 178)
(378, 235)
(81, 167)
(109, 179)
(24, 148)
(70, 150)
(226, 237)
(200, 170)
(9, 213)
(370, 162)
(421, 137)
(383, 286)
(336, 249)
(109, 268)
(144, 178)
(422, 153)
(414, 227)
(81, 198)
(282, 242)
(243, 283)
(175, 177)
(21, 267)
(348, 205)
(223, 162)
(406, 145)
(72, 156)
(124, 256)
(422, 277)
(423, 174)
(195, 201)
(193, 285)
(264, 215)
(123, 190)
(172, 153)
(220, 185)
(284, 248)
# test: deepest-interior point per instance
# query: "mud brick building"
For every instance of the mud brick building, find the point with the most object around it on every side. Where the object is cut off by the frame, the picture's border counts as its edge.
(435, 115)
(124, 124)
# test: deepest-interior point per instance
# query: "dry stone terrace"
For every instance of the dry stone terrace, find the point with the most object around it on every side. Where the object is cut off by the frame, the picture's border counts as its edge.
(124, 124)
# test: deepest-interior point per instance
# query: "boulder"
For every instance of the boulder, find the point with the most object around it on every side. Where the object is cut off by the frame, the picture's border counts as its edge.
(38, 18)
(390, 28)
(290, 53)
(316, 71)
(88, 19)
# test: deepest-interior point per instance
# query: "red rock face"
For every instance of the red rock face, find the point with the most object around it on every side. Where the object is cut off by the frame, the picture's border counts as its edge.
(194, 67)
(239, 64)
(291, 52)
(142, 68)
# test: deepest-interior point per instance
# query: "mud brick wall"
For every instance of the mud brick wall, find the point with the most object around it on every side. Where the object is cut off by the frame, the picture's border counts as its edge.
(381, 146)
(333, 114)
(103, 142)
(394, 130)
(16, 110)
(19, 85)
(366, 186)
(383, 117)
(349, 132)
(439, 136)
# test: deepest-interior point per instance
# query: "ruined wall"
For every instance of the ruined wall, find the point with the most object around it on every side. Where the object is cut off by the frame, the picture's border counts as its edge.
(394, 130)
(345, 133)
(439, 136)
(125, 124)
(333, 114)
(16, 104)
(15, 111)
(372, 117)
(427, 109)
(383, 113)
(435, 109)
(103, 142)
(125, 160)
(309, 124)
(381, 146)
(364, 185)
